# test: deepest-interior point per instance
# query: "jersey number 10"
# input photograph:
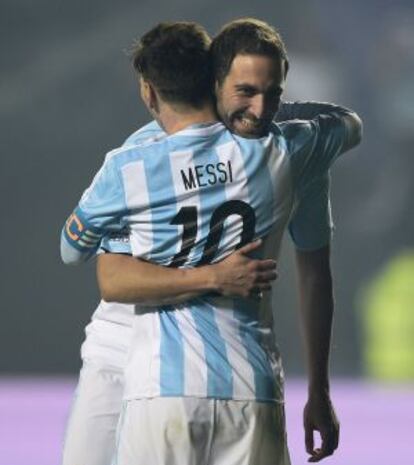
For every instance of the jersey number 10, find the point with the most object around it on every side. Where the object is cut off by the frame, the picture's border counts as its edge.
(187, 216)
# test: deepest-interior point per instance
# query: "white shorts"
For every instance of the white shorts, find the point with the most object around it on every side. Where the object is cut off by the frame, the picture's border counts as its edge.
(90, 433)
(192, 431)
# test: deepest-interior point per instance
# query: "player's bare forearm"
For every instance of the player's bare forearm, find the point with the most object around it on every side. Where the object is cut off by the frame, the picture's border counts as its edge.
(316, 313)
(316, 316)
(122, 278)
(126, 279)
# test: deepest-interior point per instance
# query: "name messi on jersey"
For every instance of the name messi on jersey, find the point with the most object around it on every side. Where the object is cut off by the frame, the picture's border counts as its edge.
(209, 174)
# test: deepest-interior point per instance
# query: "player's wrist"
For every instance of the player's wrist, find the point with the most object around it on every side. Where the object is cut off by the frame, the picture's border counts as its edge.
(212, 278)
(319, 389)
(218, 278)
(203, 279)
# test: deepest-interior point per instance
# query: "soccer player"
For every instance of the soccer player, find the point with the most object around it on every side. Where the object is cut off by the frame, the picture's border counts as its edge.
(300, 155)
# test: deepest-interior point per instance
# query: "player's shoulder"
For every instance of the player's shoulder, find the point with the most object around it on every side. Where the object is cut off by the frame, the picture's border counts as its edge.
(296, 128)
(294, 134)
(161, 143)
(197, 137)
(150, 130)
(203, 131)
(120, 156)
(134, 151)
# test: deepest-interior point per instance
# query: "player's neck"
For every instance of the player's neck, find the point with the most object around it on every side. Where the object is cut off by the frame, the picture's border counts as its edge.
(174, 119)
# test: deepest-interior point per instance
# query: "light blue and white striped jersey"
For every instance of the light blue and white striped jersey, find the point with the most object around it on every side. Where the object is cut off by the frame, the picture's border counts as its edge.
(192, 198)
(310, 225)
(110, 331)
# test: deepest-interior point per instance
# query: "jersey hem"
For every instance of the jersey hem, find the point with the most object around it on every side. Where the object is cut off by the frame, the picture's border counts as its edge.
(202, 396)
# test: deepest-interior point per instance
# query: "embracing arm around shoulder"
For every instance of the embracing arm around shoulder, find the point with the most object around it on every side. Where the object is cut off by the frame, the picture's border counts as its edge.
(125, 279)
(309, 110)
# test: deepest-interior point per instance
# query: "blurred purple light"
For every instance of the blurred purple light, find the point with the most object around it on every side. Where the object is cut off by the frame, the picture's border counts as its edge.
(376, 421)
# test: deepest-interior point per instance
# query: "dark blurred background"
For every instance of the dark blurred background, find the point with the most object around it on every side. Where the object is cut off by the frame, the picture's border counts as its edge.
(68, 95)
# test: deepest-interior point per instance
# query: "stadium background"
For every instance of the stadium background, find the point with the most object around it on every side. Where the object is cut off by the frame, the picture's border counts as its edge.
(68, 95)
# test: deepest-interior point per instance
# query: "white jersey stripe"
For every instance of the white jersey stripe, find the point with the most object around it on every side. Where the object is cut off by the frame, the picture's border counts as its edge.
(181, 163)
(140, 216)
(195, 368)
(237, 190)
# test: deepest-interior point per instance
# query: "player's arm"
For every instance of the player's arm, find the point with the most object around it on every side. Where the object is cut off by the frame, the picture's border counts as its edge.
(316, 316)
(100, 211)
(125, 279)
(316, 310)
(310, 229)
(79, 240)
(88, 229)
(315, 145)
(313, 110)
(306, 110)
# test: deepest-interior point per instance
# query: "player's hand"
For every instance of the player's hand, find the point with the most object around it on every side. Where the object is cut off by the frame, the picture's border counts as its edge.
(319, 415)
(238, 275)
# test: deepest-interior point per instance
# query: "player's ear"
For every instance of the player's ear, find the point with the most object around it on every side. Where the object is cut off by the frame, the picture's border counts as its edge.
(144, 90)
(286, 68)
(216, 87)
(153, 101)
(148, 95)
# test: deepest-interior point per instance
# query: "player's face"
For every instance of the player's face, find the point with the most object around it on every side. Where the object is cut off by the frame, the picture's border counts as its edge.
(249, 96)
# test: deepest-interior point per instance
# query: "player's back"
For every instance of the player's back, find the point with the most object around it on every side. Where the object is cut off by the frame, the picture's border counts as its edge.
(192, 198)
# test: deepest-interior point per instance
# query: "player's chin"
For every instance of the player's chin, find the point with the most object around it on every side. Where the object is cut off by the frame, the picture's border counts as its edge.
(247, 129)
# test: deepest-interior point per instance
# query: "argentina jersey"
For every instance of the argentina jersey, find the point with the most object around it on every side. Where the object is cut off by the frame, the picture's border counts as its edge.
(190, 199)
(310, 225)
(217, 192)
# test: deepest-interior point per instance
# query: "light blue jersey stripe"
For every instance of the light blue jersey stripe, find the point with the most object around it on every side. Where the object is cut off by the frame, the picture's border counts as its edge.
(163, 204)
(219, 370)
(171, 354)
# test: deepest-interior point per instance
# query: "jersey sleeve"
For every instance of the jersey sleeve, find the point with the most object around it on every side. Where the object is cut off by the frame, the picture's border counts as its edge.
(100, 211)
(306, 110)
(118, 242)
(311, 225)
(314, 145)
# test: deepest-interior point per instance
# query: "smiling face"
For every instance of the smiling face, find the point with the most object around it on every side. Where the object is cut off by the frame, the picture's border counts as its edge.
(249, 95)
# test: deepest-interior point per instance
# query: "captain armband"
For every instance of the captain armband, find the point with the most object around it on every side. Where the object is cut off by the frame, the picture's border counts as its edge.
(80, 236)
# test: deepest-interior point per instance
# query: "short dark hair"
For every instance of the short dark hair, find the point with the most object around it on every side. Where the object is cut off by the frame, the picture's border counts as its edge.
(245, 36)
(175, 58)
